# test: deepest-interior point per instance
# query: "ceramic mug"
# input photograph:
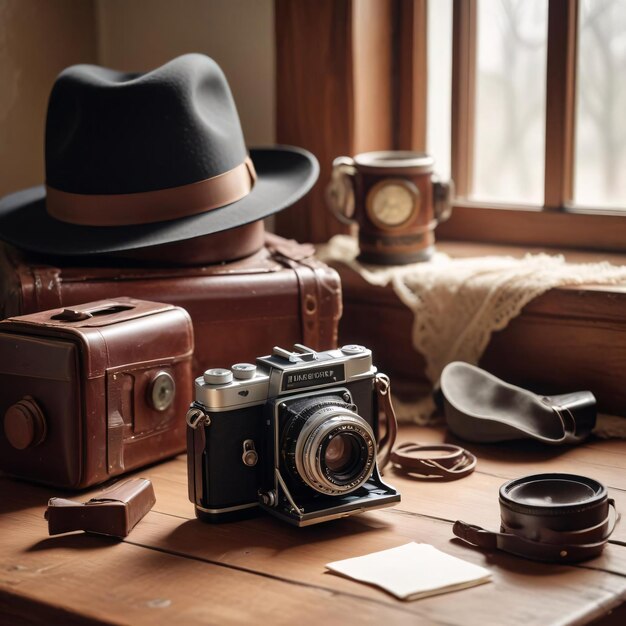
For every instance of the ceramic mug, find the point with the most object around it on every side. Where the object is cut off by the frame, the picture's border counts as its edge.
(395, 199)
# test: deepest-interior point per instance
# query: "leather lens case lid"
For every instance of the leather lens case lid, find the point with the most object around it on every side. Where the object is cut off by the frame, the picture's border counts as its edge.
(568, 498)
(480, 407)
(548, 517)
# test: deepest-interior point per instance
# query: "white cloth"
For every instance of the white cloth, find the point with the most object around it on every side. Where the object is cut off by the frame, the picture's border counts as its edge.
(412, 571)
(458, 303)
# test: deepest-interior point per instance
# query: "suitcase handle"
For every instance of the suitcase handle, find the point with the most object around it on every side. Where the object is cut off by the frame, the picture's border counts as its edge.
(78, 315)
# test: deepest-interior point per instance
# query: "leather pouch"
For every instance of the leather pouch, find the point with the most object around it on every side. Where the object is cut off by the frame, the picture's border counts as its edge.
(93, 391)
(114, 511)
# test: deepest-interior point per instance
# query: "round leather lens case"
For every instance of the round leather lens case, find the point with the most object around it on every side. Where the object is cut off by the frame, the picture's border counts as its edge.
(562, 518)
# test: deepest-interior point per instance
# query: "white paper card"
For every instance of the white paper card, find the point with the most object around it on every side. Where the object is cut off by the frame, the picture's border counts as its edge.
(412, 571)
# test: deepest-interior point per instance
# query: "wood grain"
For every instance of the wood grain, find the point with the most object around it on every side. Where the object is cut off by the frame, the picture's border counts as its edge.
(124, 582)
(314, 100)
(410, 90)
(560, 103)
(604, 460)
(527, 226)
(464, 26)
(333, 93)
(372, 75)
(175, 567)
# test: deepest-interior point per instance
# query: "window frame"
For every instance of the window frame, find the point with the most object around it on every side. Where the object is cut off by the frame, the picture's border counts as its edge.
(558, 223)
(351, 76)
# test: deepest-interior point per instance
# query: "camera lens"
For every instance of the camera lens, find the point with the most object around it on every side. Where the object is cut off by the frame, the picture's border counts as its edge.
(341, 454)
(330, 448)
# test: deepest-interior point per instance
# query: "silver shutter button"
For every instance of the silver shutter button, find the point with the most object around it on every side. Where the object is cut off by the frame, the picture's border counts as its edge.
(218, 376)
(243, 371)
(162, 391)
(352, 349)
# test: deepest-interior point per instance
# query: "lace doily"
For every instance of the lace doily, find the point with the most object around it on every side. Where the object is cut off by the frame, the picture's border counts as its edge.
(458, 303)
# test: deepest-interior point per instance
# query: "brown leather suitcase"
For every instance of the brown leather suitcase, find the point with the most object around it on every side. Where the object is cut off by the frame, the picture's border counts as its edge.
(93, 391)
(280, 295)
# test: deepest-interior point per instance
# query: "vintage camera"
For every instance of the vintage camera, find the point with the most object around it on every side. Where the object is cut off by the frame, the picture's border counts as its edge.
(295, 434)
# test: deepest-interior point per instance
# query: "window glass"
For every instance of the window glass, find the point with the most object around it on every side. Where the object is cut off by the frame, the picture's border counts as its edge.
(439, 84)
(509, 139)
(600, 161)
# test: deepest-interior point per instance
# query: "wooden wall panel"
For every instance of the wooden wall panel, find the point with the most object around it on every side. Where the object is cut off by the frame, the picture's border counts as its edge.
(333, 92)
(239, 34)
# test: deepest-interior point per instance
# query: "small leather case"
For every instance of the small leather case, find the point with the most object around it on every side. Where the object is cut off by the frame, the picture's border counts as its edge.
(114, 511)
(93, 391)
(558, 518)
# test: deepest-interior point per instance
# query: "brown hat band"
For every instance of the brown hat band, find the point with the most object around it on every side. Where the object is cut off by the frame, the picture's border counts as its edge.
(152, 206)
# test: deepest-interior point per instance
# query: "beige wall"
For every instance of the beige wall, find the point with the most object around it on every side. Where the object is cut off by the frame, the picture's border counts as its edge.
(238, 34)
(38, 38)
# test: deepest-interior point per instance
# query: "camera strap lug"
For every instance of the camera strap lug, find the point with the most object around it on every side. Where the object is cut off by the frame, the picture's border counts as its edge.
(197, 417)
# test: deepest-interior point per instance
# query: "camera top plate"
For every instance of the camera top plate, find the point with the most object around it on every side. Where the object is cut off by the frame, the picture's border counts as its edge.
(284, 372)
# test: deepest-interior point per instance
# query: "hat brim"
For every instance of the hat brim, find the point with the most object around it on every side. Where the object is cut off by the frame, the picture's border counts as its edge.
(284, 175)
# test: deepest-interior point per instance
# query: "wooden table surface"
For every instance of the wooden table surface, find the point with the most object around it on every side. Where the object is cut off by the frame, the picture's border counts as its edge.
(173, 569)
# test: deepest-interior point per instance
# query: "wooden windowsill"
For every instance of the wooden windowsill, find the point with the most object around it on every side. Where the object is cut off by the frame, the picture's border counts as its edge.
(567, 339)
(598, 231)
(462, 249)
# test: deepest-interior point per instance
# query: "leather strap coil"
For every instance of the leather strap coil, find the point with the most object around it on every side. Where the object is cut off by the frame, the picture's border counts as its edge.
(449, 462)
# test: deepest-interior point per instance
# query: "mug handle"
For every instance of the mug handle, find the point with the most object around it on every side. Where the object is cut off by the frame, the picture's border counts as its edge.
(340, 190)
(442, 194)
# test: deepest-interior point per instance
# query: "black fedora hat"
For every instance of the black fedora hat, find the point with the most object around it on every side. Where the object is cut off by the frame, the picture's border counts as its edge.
(138, 160)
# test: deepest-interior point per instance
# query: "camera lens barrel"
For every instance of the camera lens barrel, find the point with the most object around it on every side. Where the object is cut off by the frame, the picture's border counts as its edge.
(335, 451)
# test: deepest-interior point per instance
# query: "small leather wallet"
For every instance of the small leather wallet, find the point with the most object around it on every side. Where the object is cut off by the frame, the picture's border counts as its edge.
(115, 511)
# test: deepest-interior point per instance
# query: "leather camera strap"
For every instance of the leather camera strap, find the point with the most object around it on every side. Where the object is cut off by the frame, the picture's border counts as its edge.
(566, 546)
(196, 441)
(382, 385)
(441, 461)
